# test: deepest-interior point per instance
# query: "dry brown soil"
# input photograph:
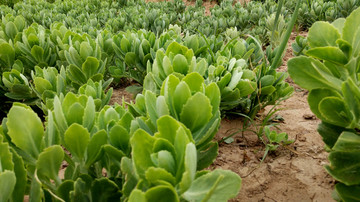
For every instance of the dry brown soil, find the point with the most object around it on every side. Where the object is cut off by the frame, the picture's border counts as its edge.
(292, 173)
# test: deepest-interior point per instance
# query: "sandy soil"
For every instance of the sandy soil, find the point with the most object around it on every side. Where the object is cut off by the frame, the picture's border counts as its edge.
(292, 173)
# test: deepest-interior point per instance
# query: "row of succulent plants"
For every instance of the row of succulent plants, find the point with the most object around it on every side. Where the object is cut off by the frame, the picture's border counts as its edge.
(328, 66)
(39, 63)
(251, 18)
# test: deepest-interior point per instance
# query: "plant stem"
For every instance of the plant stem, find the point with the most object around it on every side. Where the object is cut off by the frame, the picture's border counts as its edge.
(280, 5)
(283, 44)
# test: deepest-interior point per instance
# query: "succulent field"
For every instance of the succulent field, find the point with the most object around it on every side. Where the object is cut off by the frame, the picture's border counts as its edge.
(127, 100)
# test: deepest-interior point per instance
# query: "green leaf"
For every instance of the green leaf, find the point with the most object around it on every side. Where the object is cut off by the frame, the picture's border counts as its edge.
(104, 189)
(330, 133)
(137, 196)
(94, 147)
(322, 34)
(20, 174)
(11, 30)
(348, 193)
(246, 87)
(161, 193)
(190, 167)
(120, 138)
(85, 50)
(311, 74)
(76, 74)
(345, 158)
(75, 113)
(335, 111)
(339, 24)
(332, 54)
(90, 66)
(142, 143)
(216, 186)
(207, 155)
(180, 64)
(89, 114)
(5, 157)
(36, 193)
(181, 94)
(38, 53)
(25, 129)
(42, 84)
(64, 189)
(316, 96)
(196, 112)
(49, 162)
(351, 31)
(7, 54)
(7, 184)
(155, 175)
(212, 91)
(76, 140)
(195, 82)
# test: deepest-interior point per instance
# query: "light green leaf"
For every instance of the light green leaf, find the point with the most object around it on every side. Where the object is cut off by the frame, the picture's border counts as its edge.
(94, 147)
(49, 162)
(90, 66)
(25, 129)
(190, 167)
(311, 74)
(345, 158)
(322, 34)
(142, 143)
(180, 64)
(137, 196)
(196, 112)
(154, 175)
(76, 140)
(162, 193)
(7, 184)
(216, 186)
(331, 54)
(351, 31)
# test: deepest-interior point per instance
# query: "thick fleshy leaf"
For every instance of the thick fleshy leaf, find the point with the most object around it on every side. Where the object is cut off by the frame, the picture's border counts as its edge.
(190, 167)
(94, 147)
(181, 94)
(7, 184)
(345, 159)
(25, 129)
(21, 177)
(335, 111)
(85, 50)
(332, 54)
(162, 193)
(76, 140)
(49, 162)
(311, 74)
(142, 143)
(65, 188)
(7, 54)
(195, 82)
(348, 193)
(351, 31)
(154, 175)
(196, 112)
(104, 189)
(316, 96)
(5, 156)
(90, 66)
(180, 64)
(137, 196)
(216, 186)
(322, 34)
(120, 138)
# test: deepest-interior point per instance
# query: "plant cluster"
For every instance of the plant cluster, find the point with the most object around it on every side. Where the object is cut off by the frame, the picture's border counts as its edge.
(330, 71)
